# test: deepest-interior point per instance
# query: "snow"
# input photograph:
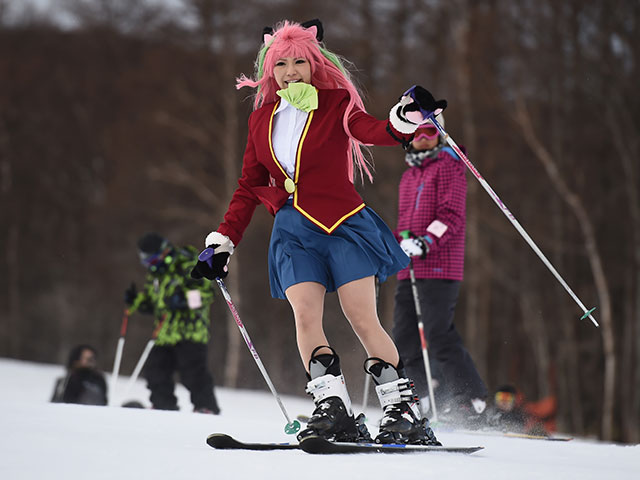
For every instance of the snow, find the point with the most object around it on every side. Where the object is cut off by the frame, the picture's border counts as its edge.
(54, 441)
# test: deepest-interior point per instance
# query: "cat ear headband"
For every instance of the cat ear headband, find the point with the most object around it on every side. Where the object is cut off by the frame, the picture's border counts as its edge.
(314, 25)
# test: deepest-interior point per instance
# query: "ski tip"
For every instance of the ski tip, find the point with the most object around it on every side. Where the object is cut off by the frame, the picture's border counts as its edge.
(220, 440)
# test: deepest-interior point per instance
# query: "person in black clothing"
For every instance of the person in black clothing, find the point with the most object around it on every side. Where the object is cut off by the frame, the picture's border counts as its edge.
(84, 383)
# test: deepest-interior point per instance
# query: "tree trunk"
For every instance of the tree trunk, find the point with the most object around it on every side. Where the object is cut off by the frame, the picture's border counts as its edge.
(533, 324)
(476, 315)
(627, 150)
(570, 401)
(231, 174)
(11, 219)
(13, 291)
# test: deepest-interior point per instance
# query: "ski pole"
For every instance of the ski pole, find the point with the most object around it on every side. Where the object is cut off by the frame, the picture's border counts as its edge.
(116, 362)
(423, 341)
(512, 219)
(143, 358)
(292, 426)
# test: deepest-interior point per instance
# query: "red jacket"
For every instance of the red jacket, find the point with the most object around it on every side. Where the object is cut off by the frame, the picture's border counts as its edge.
(324, 194)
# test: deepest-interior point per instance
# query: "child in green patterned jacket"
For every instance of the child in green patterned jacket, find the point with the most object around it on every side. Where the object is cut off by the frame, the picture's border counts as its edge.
(181, 307)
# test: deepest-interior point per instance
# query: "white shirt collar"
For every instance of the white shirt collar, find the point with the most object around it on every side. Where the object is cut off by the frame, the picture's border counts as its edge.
(283, 104)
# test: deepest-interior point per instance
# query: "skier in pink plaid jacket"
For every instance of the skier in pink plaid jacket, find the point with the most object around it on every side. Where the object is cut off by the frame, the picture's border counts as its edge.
(431, 230)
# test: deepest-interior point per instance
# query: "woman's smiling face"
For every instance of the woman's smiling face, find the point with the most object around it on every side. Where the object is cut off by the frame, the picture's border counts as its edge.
(290, 70)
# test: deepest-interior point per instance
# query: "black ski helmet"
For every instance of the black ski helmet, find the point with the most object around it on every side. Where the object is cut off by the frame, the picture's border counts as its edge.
(154, 251)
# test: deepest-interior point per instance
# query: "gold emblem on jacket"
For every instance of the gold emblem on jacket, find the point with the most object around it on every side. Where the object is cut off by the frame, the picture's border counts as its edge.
(289, 186)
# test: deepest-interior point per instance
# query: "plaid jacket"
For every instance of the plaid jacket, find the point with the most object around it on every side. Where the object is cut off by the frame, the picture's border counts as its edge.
(432, 200)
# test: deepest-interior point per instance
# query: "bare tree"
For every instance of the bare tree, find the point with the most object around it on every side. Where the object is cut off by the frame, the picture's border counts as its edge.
(577, 207)
(11, 242)
(475, 287)
(627, 148)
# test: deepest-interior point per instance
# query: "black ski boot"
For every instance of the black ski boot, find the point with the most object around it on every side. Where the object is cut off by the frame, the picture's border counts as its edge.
(402, 421)
(332, 418)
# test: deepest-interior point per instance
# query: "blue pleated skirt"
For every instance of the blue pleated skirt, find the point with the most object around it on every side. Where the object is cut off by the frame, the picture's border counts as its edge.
(360, 247)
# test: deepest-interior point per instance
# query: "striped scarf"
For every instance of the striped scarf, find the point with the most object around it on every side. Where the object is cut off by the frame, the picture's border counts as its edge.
(415, 158)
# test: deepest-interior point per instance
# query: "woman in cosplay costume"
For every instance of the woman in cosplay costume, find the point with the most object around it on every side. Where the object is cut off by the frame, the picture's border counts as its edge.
(305, 138)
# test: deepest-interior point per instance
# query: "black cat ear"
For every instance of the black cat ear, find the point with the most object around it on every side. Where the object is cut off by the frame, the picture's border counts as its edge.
(266, 31)
(315, 23)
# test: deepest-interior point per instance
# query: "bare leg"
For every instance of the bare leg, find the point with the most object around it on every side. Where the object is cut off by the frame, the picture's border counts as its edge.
(358, 302)
(307, 302)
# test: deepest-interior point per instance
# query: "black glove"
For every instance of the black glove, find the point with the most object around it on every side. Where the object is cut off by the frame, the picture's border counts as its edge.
(177, 301)
(130, 294)
(424, 104)
(210, 264)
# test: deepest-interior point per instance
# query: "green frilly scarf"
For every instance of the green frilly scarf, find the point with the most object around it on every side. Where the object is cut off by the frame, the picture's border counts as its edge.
(301, 95)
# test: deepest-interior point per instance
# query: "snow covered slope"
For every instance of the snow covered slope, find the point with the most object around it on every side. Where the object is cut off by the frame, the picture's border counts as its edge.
(40, 440)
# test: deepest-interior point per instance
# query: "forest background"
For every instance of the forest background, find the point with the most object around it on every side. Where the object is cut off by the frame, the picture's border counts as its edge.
(119, 117)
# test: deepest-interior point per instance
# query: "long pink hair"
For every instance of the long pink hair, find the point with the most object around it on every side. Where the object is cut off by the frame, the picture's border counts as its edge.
(327, 72)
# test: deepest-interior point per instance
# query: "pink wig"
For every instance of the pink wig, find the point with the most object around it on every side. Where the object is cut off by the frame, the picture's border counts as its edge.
(327, 72)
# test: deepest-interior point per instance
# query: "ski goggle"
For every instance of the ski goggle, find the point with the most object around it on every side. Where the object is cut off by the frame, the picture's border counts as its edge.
(505, 400)
(428, 133)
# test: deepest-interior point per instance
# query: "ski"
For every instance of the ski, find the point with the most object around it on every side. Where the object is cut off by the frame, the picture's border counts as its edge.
(549, 438)
(319, 445)
(222, 441)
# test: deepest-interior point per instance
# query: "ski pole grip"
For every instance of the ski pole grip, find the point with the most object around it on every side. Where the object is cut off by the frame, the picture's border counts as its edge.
(207, 256)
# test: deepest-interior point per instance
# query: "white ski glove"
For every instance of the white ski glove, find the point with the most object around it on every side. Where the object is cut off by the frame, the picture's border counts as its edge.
(414, 247)
(222, 242)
